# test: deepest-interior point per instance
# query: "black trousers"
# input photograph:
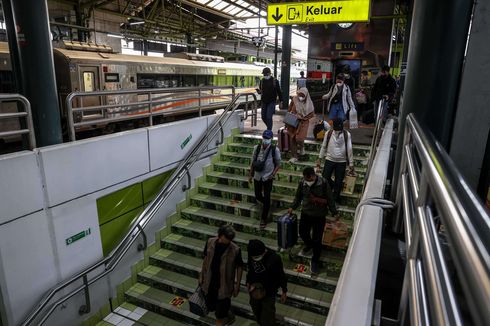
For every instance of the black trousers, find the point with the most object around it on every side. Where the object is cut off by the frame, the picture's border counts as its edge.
(263, 191)
(311, 231)
(264, 311)
(339, 170)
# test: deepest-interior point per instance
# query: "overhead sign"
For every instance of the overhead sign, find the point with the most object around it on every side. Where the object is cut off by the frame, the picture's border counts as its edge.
(258, 41)
(343, 46)
(318, 12)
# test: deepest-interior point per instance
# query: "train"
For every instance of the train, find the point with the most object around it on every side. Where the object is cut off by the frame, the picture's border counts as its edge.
(88, 71)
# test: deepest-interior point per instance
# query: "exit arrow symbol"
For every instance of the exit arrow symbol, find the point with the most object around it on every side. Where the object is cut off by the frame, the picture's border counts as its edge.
(277, 17)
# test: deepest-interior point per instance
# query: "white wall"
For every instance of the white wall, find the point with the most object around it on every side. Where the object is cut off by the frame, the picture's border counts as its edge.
(50, 194)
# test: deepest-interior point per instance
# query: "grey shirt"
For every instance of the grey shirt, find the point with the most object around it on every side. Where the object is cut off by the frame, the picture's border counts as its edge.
(269, 163)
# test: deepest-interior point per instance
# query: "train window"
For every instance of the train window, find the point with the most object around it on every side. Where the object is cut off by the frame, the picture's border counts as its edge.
(158, 81)
(88, 81)
(6, 82)
(202, 80)
(111, 78)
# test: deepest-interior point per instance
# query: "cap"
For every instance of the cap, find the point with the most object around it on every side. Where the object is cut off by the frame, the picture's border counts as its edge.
(255, 248)
(266, 70)
(267, 134)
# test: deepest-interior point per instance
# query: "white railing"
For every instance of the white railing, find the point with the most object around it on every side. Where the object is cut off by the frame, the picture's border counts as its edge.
(26, 114)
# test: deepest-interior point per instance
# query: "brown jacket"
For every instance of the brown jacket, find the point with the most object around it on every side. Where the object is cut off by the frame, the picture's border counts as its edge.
(227, 269)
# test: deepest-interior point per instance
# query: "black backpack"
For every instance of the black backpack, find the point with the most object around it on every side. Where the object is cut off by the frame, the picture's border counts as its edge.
(260, 165)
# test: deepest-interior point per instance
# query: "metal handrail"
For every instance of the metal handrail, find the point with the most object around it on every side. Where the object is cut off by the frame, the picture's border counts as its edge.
(117, 254)
(374, 141)
(432, 184)
(134, 110)
(27, 114)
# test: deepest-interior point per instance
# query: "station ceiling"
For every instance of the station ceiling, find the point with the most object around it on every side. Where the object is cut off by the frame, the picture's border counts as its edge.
(194, 20)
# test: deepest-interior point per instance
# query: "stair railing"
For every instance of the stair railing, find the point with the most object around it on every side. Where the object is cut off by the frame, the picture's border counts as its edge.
(26, 114)
(114, 258)
(443, 222)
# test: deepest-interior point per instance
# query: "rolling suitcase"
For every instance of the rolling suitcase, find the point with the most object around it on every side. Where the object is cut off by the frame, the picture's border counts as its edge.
(283, 139)
(287, 231)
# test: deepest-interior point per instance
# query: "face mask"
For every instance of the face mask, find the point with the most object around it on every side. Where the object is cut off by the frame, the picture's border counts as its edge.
(267, 77)
(301, 98)
(266, 141)
(259, 258)
(310, 183)
(339, 84)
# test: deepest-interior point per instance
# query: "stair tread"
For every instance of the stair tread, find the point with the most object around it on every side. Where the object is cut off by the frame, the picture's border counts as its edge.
(161, 298)
(307, 141)
(143, 316)
(249, 156)
(250, 192)
(250, 206)
(197, 244)
(297, 291)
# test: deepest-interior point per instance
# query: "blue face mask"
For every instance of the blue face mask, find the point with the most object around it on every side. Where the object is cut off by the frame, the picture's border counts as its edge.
(266, 141)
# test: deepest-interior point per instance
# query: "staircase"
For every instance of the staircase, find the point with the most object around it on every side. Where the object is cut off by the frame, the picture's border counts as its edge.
(157, 292)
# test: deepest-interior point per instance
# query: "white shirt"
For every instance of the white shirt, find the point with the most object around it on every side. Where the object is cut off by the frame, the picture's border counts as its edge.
(336, 148)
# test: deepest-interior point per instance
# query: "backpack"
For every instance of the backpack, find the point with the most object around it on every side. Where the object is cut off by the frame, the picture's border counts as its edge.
(329, 135)
(260, 165)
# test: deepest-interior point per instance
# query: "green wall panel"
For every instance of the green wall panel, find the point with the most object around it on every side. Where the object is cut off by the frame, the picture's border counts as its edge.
(119, 203)
(113, 231)
(153, 185)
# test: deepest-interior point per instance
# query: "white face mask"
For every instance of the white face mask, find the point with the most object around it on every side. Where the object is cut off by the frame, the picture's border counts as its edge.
(301, 98)
(339, 84)
(259, 258)
(267, 77)
(310, 183)
(266, 141)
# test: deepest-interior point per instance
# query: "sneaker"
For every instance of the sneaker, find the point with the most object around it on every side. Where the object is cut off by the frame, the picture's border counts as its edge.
(314, 267)
(307, 252)
(293, 160)
(263, 225)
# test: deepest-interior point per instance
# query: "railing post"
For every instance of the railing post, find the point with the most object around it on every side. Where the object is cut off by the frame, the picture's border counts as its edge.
(85, 309)
(150, 105)
(200, 102)
(69, 113)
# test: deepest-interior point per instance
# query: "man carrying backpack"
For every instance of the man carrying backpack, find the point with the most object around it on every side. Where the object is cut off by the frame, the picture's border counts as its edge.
(266, 161)
(337, 150)
(270, 92)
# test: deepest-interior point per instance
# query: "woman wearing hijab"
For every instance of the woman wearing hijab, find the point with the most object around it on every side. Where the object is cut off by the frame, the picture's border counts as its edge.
(303, 108)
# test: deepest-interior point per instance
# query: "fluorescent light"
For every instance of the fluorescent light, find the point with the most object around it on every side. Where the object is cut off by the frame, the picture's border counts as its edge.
(115, 35)
(137, 23)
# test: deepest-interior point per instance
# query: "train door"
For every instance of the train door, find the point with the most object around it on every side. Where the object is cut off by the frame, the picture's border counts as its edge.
(90, 82)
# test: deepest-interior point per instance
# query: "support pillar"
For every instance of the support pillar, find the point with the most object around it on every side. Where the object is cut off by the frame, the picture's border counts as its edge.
(144, 45)
(435, 59)
(286, 65)
(276, 46)
(32, 47)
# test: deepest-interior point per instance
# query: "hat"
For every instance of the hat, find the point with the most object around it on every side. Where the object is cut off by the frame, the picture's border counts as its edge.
(267, 134)
(266, 70)
(255, 248)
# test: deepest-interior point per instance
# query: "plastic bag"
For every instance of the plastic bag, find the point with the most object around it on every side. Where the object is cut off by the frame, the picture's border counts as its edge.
(353, 124)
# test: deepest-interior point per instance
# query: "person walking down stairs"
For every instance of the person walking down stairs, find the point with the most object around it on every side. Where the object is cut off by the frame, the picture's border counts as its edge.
(303, 108)
(264, 278)
(266, 161)
(221, 274)
(316, 197)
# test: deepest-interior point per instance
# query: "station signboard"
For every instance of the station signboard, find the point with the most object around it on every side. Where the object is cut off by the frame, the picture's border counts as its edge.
(323, 12)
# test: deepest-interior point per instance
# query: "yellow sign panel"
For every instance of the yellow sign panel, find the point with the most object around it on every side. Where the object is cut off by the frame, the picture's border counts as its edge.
(318, 12)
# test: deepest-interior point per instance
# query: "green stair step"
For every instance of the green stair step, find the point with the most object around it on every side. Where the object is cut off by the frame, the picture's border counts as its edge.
(314, 300)
(239, 207)
(191, 266)
(148, 318)
(159, 301)
(283, 200)
(194, 247)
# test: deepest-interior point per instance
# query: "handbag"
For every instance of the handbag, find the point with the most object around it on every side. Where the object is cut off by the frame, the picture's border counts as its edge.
(197, 303)
(291, 120)
(258, 292)
(335, 235)
(349, 183)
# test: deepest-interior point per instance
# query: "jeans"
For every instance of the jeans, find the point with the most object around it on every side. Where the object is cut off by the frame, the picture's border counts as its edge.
(264, 310)
(336, 111)
(263, 191)
(339, 169)
(311, 231)
(267, 113)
